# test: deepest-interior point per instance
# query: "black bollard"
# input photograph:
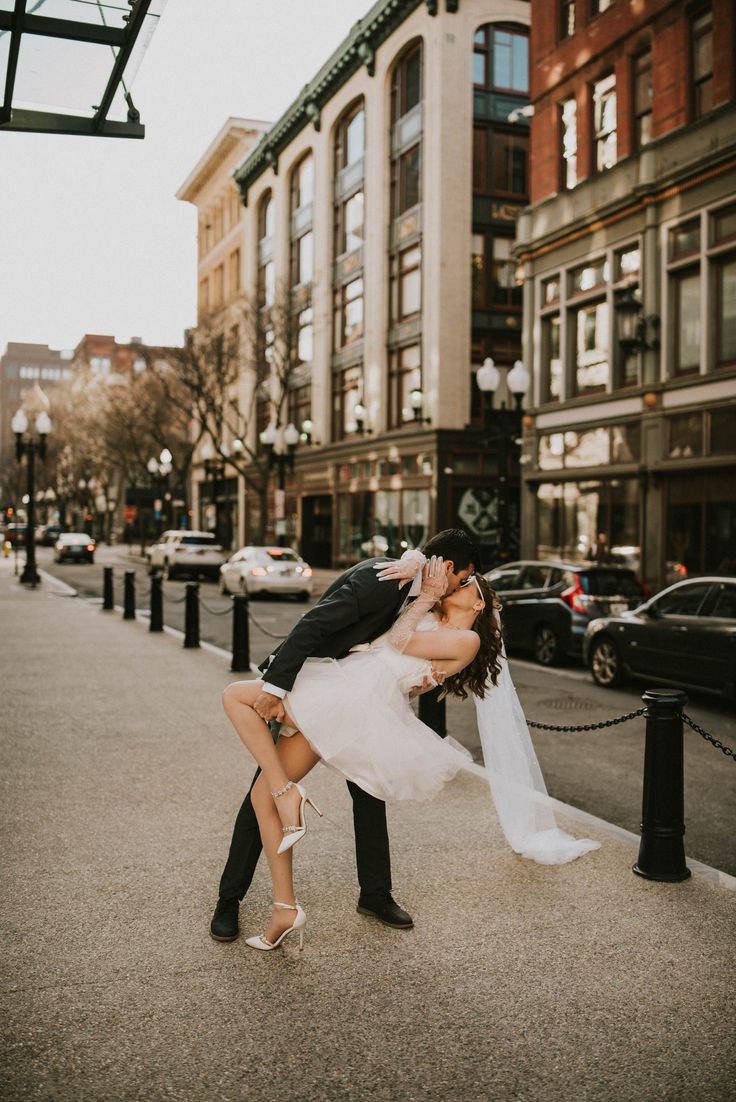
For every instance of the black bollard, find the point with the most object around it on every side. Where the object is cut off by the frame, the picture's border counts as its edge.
(108, 602)
(129, 595)
(191, 615)
(156, 622)
(662, 850)
(432, 712)
(241, 635)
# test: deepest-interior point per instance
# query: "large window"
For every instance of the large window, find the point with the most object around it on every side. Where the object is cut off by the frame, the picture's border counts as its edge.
(405, 375)
(501, 59)
(406, 283)
(604, 122)
(569, 128)
(567, 18)
(506, 291)
(348, 311)
(701, 39)
(406, 136)
(348, 187)
(571, 516)
(406, 181)
(266, 267)
(510, 153)
(347, 390)
(406, 86)
(643, 99)
(302, 240)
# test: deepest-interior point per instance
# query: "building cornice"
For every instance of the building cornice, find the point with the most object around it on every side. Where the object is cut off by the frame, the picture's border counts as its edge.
(227, 139)
(357, 49)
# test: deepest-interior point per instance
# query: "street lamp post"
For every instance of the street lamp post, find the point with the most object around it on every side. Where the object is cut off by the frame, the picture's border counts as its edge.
(159, 470)
(280, 448)
(502, 429)
(30, 448)
(214, 471)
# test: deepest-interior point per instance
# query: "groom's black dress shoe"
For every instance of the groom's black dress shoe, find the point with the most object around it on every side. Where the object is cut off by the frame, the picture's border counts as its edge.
(224, 924)
(383, 907)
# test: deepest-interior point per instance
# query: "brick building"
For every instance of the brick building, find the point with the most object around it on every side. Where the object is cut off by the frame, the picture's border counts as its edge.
(629, 260)
(385, 201)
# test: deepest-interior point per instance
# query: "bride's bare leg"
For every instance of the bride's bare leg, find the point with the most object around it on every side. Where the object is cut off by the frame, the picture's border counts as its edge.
(297, 758)
(238, 699)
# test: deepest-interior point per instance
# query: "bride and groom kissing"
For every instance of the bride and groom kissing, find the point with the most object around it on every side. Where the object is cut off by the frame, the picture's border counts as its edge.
(340, 686)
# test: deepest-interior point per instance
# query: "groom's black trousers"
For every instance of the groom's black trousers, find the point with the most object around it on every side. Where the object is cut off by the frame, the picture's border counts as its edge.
(371, 846)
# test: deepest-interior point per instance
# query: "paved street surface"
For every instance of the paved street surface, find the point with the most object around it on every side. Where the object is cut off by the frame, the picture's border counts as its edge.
(121, 780)
(599, 772)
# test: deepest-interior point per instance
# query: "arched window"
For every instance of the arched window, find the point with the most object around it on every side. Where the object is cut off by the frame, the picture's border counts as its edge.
(406, 120)
(348, 185)
(302, 240)
(266, 269)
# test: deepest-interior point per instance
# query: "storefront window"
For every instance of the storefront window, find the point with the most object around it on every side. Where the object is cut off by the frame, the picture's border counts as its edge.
(551, 452)
(414, 517)
(587, 449)
(572, 515)
(590, 325)
(625, 444)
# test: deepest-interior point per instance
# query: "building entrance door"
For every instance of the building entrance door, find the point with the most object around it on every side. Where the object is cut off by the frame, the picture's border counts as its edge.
(316, 543)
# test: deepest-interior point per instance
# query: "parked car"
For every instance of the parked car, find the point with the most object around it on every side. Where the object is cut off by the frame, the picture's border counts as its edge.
(15, 534)
(267, 570)
(77, 546)
(48, 534)
(685, 635)
(547, 606)
(181, 552)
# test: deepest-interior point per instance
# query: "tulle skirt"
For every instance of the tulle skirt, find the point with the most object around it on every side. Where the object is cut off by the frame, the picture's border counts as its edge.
(356, 716)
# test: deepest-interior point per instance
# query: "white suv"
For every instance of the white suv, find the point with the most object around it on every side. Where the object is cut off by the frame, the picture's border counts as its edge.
(183, 552)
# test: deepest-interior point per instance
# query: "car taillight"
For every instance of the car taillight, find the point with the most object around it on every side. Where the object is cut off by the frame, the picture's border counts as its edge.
(258, 571)
(90, 547)
(575, 598)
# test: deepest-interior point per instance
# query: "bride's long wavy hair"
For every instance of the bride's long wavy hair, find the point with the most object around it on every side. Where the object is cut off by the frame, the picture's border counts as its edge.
(486, 663)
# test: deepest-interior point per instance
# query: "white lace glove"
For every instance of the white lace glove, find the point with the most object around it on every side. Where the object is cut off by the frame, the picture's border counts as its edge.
(406, 569)
(434, 584)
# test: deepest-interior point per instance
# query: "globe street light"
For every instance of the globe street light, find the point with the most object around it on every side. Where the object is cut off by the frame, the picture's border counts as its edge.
(30, 448)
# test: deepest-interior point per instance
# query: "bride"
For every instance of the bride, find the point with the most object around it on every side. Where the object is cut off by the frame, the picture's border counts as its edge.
(354, 714)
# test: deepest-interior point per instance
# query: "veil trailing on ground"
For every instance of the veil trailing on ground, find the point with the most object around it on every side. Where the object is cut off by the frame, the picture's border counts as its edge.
(517, 786)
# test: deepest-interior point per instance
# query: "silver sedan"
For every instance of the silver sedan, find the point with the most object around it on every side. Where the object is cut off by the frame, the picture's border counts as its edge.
(267, 570)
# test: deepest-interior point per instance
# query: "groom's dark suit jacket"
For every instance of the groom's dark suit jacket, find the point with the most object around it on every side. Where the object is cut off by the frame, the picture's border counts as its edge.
(356, 608)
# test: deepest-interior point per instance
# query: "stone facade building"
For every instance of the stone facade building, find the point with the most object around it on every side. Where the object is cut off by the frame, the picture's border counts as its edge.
(385, 201)
(629, 261)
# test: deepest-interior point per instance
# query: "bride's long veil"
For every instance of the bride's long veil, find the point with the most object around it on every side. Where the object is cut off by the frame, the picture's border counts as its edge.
(516, 781)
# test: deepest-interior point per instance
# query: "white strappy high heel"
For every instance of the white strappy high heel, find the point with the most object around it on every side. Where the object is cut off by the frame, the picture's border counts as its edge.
(260, 941)
(293, 834)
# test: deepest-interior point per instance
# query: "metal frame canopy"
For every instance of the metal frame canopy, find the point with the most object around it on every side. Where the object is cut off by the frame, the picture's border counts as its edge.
(67, 66)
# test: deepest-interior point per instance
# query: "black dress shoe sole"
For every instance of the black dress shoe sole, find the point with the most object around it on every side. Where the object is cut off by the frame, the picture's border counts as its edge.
(220, 937)
(385, 921)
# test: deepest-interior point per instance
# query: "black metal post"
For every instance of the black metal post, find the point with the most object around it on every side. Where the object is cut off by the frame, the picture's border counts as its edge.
(191, 615)
(156, 622)
(108, 602)
(30, 575)
(432, 711)
(662, 850)
(129, 595)
(241, 634)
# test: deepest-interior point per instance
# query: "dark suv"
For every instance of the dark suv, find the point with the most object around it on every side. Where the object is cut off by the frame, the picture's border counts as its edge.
(547, 606)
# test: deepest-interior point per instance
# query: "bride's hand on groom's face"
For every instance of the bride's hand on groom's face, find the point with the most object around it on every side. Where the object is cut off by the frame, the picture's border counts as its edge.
(403, 571)
(434, 579)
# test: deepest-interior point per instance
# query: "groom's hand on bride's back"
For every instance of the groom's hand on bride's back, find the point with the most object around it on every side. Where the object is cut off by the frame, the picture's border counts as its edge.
(269, 707)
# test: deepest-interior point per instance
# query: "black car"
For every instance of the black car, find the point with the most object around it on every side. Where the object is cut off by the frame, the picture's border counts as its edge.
(686, 636)
(547, 606)
(76, 546)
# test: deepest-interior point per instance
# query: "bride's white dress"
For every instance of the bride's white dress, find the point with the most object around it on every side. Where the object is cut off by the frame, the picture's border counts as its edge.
(355, 713)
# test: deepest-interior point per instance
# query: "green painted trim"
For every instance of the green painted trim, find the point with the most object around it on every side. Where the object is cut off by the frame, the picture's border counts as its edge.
(359, 48)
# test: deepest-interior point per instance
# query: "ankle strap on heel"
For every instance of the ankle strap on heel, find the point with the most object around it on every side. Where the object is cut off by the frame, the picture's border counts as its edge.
(282, 791)
(287, 906)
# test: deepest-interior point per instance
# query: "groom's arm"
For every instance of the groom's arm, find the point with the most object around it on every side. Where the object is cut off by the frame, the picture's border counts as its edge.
(361, 595)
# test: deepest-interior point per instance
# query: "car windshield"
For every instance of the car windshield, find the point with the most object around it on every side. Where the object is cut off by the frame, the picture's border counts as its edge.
(611, 583)
(75, 537)
(280, 555)
(209, 540)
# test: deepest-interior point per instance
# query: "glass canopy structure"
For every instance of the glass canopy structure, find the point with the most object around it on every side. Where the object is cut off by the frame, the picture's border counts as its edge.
(67, 66)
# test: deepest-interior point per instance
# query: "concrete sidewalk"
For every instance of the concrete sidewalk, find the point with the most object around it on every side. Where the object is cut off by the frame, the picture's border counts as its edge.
(121, 781)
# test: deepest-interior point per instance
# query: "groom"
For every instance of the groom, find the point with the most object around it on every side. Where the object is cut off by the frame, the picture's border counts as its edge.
(356, 608)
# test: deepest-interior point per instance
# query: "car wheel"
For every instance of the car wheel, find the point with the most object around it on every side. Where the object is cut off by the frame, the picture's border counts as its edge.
(605, 663)
(546, 645)
(303, 596)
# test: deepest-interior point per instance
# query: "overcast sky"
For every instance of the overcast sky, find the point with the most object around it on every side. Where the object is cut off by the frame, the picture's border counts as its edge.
(93, 240)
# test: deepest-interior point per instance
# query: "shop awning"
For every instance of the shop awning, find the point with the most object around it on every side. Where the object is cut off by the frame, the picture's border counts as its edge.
(67, 66)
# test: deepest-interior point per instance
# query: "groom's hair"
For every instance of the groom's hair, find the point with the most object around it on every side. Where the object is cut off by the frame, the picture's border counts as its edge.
(457, 545)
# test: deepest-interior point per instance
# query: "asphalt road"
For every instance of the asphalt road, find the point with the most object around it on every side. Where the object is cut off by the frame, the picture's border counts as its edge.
(600, 772)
